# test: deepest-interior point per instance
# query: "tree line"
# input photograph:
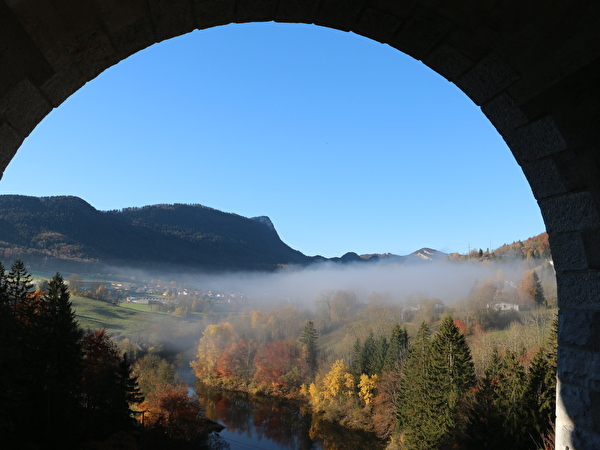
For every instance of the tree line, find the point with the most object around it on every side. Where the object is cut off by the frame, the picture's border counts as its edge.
(65, 387)
(420, 393)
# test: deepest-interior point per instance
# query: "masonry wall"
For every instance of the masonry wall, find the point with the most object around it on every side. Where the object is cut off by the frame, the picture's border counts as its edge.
(533, 67)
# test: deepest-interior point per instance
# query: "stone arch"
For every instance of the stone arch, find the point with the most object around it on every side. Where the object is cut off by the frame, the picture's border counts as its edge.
(533, 68)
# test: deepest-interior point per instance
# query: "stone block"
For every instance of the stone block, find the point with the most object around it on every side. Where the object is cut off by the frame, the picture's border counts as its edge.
(62, 84)
(568, 251)
(571, 437)
(339, 14)
(296, 11)
(24, 107)
(420, 34)
(579, 368)
(133, 38)
(544, 178)
(579, 329)
(591, 243)
(537, 140)
(377, 25)
(10, 141)
(93, 53)
(255, 10)
(447, 61)
(579, 406)
(504, 113)
(570, 212)
(211, 13)
(487, 79)
(579, 290)
(171, 17)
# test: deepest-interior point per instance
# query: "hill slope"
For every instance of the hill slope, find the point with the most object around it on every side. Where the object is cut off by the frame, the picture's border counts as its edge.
(159, 236)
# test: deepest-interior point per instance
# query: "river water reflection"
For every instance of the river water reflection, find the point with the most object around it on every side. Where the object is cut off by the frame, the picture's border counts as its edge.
(272, 424)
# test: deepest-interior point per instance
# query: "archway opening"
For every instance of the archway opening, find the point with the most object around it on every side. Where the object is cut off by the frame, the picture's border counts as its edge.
(317, 128)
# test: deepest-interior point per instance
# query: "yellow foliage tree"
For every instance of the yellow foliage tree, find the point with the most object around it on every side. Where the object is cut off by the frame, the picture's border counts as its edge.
(210, 347)
(366, 388)
(338, 381)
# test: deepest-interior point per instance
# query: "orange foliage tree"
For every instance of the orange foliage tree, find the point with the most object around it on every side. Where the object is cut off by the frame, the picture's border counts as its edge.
(170, 410)
(280, 364)
(236, 361)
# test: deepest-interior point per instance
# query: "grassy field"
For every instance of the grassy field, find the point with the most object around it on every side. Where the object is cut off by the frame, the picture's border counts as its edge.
(126, 319)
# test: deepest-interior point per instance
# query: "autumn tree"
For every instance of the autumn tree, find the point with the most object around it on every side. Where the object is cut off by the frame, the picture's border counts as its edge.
(151, 371)
(278, 365)
(237, 361)
(212, 343)
(171, 415)
(530, 289)
(109, 388)
(75, 283)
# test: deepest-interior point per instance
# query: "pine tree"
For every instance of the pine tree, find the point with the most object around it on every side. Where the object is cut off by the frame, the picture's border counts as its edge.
(367, 355)
(63, 355)
(355, 365)
(451, 374)
(310, 346)
(18, 285)
(414, 417)
(380, 356)
(398, 349)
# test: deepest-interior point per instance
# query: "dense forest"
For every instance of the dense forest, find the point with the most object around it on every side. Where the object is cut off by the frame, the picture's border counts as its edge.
(417, 373)
(69, 388)
(69, 232)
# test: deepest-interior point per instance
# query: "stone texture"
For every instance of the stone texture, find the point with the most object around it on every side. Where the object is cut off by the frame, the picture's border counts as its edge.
(577, 405)
(210, 13)
(92, 52)
(533, 69)
(579, 290)
(171, 17)
(579, 329)
(570, 212)
(504, 113)
(10, 141)
(579, 367)
(255, 10)
(340, 14)
(133, 38)
(24, 107)
(298, 11)
(571, 437)
(536, 140)
(490, 77)
(568, 251)
(544, 178)
(448, 61)
(62, 84)
(377, 25)
(420, 34)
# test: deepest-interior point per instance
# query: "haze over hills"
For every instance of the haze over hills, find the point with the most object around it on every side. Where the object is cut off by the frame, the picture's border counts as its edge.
(67, 230)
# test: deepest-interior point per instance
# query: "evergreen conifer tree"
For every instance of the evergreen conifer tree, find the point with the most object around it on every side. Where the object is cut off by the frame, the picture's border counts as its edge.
(367, 355)
(398, 349)
(451, 374)
(414, 417)
(310, 341)
(380, 356)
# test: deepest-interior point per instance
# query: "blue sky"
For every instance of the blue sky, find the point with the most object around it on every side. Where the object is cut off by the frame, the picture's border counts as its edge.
(345, 143)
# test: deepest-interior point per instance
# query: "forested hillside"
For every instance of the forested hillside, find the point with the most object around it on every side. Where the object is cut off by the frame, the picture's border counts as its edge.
(69, 230)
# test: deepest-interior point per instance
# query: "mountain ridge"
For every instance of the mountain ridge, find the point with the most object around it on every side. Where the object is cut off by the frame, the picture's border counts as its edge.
(68, 230)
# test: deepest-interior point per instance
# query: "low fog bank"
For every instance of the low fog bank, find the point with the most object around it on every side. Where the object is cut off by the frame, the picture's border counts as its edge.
(447, 282)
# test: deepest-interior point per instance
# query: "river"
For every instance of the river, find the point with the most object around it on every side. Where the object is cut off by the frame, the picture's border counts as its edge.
(269, 423)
